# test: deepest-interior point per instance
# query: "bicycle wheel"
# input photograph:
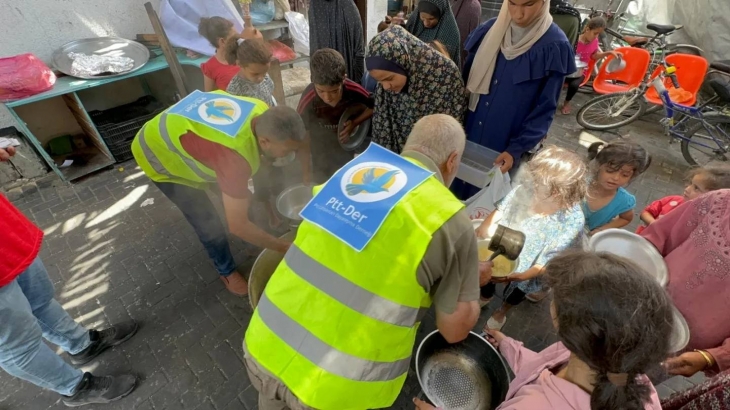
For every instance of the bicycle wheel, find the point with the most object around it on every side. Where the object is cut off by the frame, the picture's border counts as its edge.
(610, 111)
(713, 132)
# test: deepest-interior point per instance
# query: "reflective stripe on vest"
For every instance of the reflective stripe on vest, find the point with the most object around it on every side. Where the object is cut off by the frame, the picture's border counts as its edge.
(350, 294)
(338, 327)
(326, 357)
(165, 135)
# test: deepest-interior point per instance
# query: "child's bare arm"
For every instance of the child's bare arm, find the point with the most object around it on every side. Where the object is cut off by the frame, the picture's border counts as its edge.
(617, 222)
(647, 217)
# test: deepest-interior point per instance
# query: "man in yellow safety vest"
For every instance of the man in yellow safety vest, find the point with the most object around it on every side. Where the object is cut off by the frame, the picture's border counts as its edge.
(380, 241)
(217, 138)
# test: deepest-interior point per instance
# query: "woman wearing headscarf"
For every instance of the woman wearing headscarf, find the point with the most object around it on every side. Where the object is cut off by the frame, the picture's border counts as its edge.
(336, 24)
(514, 70)
(433, 20)
(468, 14)
(414, 80)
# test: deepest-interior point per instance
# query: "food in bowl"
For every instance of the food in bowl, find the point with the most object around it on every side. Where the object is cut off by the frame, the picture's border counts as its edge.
(502, 266)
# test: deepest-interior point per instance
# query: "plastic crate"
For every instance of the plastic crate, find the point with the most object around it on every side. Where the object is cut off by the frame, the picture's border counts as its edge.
(121, 151)
(476, 163)
(123, 113)
(117, 133)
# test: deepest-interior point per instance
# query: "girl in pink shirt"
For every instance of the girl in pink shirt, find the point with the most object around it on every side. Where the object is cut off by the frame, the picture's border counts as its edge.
(614, 322)
(587, 49)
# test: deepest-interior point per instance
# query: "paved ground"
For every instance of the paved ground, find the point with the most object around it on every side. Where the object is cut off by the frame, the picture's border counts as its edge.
(116, 248)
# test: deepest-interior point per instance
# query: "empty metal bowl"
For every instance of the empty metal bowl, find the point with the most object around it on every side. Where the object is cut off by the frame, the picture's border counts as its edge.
(469, 375)
(616, 64)
(291, 201)
(359, 133)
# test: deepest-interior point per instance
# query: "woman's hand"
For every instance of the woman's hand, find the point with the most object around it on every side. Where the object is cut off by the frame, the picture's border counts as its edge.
(485, 272)
(495, 337)
(505, 161)
(422, 405)
(6, 153)
(686, 364)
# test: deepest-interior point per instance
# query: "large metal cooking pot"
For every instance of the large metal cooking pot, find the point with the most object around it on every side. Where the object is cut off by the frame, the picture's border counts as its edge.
(581, 68)
(469, 375)
(291, 201)
(262, 270)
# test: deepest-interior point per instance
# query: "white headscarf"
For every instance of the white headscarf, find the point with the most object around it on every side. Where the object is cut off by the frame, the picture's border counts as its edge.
(499, 38)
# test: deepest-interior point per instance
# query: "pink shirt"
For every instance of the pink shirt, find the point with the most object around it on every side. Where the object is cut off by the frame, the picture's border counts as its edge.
(536, 387)
(586, 51)
(695, 242)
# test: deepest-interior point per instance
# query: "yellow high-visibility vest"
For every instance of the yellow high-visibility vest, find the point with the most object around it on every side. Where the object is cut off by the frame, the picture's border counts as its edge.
(338, 326)
(157, 148)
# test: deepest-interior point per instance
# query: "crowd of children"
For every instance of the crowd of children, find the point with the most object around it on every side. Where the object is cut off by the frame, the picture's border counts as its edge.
(563, 199)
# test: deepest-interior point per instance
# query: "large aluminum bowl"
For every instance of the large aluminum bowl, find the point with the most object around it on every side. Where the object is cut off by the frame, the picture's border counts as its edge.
(291, 202)
(262, 270)
(469, 375)
(112, 46)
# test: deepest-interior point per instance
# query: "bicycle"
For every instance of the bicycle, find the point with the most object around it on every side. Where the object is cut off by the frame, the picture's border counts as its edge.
(689, 124)
(610, 111)
(692, 122)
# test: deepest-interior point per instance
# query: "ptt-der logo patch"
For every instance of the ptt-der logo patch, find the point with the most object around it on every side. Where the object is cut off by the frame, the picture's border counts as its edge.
(372, 181)
(219, 111)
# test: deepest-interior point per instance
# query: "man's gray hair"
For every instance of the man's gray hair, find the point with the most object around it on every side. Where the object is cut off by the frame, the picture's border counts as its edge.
(281, 123)
(437, 136)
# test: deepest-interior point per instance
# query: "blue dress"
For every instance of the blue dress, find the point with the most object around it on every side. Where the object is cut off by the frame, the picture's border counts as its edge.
(622, 202)
(545, 236)
(523, 96)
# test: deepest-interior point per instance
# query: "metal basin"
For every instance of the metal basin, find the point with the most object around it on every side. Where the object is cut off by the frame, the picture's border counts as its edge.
(291, 201)
(107, 46)
(262, 270)
(580, 68)
(469, 375)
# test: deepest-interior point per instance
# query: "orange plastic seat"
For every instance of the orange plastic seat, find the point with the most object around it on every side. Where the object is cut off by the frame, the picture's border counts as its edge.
(588, 72)
(637, 62)
(690, 74)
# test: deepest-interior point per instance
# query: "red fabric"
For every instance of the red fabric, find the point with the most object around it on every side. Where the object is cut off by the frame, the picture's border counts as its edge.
(281, 51)
(231, 169)
(20, 242)
(661, 207)
(221, 73)
(694, 240)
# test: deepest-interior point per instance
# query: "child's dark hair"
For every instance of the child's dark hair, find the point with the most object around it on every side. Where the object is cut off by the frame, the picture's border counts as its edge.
(214, 28)
(716, 174)
(243, 53)
(596, 23)
(616, 318)
(617, 154)
(439, 46)
(327, 67)
(382, 26)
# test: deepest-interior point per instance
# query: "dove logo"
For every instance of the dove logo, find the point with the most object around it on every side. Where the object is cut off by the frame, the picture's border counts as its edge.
(372, 181)
(219, 111)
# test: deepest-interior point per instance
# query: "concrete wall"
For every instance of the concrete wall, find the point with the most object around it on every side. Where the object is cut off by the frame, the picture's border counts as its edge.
(377, 10)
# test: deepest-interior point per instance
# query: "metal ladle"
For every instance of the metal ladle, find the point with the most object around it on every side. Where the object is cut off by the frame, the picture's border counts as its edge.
(507, 242)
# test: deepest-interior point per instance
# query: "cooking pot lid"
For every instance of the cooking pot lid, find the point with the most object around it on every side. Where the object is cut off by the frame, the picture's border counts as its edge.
(359, 133)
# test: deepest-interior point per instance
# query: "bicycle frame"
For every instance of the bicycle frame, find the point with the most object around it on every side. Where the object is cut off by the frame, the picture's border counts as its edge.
(690, 113)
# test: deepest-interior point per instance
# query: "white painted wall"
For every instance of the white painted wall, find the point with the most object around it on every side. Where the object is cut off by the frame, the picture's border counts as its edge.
(377, 10)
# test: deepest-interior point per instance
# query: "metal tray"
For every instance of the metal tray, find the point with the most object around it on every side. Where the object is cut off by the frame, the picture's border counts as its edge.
(680, 336)
(102, 46)
(359, 133)
(633, 247)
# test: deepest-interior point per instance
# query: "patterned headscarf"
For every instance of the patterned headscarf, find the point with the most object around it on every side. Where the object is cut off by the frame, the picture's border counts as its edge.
(434, 87)
(446, 30)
